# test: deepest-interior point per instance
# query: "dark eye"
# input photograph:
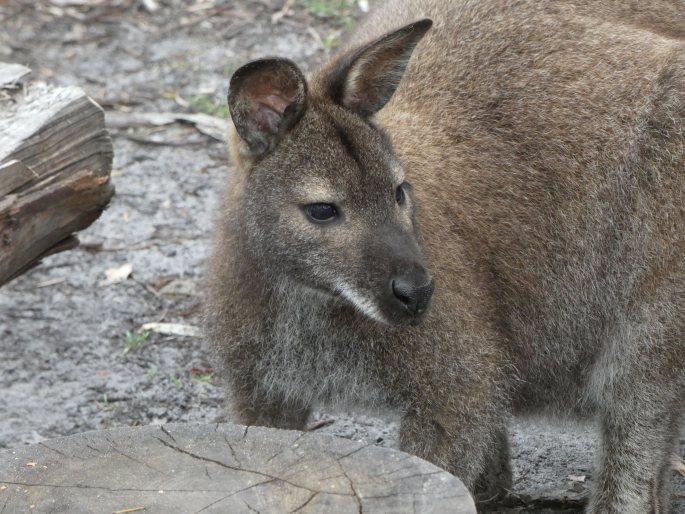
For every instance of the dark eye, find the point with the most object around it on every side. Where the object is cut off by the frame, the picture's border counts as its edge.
(399, 195)
(321, 212)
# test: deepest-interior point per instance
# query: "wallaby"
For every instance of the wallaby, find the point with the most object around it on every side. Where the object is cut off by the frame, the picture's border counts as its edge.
(466, 221)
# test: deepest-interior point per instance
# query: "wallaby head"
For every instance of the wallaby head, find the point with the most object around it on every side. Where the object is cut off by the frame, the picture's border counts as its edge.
(325, 204)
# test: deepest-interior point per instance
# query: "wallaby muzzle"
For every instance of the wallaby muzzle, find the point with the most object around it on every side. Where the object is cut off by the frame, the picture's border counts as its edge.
(407, 287)
(414, 293)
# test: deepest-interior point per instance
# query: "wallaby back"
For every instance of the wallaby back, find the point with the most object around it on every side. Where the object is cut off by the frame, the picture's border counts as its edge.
(551, 144)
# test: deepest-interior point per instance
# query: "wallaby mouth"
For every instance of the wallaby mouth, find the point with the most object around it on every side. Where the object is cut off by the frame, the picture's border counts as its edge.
(395, 287)
(403, 301)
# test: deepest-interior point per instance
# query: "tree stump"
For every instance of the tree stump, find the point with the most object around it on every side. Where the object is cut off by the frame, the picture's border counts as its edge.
(221, 468)
(55, 164)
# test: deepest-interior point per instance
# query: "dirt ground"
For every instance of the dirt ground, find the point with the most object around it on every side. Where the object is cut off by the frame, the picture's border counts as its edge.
(66, 362)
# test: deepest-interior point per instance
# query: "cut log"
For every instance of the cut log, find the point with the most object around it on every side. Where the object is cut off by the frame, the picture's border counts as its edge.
(222, 468)
(55, 165)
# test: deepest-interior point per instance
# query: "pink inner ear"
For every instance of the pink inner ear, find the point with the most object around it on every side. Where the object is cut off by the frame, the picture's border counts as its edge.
(275, 101)
(265, 119)
(268, 110)
(274, 91)
(265, 96)
(269, 96)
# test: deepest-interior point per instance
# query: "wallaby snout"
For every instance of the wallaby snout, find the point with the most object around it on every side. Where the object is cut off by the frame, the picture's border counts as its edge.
(402, 284)
(413, 293)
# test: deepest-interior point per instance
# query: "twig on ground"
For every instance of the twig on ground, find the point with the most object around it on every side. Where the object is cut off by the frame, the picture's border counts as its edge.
(319, 424)
(287, 5)
(561, 500)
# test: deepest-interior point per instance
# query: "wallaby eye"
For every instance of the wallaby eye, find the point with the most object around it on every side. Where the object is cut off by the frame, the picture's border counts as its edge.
(399, 195)
(321, 212)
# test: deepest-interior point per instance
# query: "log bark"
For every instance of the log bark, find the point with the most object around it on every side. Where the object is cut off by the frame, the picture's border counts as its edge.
(222, 468)
(55, 165)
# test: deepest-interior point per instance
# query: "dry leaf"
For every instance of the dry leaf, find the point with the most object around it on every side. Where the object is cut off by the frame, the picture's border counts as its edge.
(115, 275)
(77, 3)
(180, 287)
(201, 6)
(150, 5)
(51, 282)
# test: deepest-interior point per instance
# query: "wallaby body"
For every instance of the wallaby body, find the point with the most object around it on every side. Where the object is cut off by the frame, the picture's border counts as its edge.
(545, 147)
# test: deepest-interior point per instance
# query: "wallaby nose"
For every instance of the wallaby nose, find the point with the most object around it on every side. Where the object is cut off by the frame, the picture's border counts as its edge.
(415, 297)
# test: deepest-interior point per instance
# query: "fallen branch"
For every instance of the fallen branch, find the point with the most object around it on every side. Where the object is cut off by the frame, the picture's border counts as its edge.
(208, 125)
(172, 329)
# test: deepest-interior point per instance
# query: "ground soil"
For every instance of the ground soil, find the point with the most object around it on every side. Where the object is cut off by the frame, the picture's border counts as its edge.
(64, 367)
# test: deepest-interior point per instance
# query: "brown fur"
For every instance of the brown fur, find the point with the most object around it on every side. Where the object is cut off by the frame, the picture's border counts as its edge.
(545, 143)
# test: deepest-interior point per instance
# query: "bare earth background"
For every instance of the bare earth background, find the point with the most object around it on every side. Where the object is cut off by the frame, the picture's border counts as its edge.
(64, 367)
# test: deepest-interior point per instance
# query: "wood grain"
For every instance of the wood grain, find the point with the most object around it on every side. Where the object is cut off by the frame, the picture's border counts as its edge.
(222, 468)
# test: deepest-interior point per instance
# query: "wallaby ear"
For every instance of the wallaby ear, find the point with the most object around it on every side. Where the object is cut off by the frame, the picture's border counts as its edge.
(364, 80)
(266, 98)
